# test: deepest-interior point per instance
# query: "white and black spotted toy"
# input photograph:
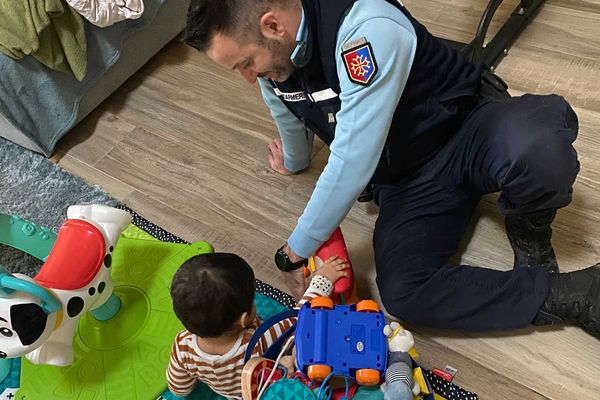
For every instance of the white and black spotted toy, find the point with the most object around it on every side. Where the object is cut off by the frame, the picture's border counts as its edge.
(76, 273)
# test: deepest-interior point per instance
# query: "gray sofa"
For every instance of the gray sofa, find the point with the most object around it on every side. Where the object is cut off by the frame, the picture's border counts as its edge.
(39, 106)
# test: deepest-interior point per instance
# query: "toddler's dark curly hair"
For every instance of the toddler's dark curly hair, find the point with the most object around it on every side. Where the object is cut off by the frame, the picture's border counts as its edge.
(211, 291)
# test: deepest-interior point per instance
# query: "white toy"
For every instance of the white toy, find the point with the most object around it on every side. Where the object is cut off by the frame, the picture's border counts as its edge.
(38, 316)
(400, 383)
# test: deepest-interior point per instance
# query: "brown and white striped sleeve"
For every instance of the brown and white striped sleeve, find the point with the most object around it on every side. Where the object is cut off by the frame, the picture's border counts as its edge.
(179, 379)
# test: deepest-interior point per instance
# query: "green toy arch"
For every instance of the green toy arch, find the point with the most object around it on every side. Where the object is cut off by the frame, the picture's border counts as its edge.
(34, 240)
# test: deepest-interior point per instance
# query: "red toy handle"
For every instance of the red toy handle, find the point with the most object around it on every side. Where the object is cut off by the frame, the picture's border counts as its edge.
(336, 246)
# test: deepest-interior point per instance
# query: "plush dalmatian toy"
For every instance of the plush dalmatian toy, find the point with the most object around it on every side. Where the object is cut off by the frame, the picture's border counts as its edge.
(75, 277)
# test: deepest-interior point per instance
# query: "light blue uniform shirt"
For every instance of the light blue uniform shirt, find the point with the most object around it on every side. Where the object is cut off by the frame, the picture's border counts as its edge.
(362, 122)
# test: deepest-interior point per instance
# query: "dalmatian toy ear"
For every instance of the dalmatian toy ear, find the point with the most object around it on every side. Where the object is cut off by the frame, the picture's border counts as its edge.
(28, 321)
(24, 324)
(28, 314)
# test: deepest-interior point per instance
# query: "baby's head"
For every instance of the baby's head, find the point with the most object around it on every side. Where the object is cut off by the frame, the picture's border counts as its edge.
(213, 294)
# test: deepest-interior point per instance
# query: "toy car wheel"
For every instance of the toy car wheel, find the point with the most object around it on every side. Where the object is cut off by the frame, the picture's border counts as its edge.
(318, 372)
(367, 306)
(368, 377)
(321, 302)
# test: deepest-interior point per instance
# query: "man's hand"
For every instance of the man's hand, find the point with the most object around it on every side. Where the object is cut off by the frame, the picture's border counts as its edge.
(295, 280)
(276, 157)
(293, 256)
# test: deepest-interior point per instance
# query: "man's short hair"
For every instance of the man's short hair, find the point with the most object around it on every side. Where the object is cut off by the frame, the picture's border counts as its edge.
(236, 18)
(211, 291)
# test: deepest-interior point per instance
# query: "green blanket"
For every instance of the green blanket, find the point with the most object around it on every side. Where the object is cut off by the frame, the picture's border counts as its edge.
(48, 30)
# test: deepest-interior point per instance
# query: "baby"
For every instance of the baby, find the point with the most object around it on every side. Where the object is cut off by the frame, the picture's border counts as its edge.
(213, 297)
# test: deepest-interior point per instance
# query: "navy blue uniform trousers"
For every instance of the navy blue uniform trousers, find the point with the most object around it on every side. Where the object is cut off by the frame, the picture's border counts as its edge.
(520, 147)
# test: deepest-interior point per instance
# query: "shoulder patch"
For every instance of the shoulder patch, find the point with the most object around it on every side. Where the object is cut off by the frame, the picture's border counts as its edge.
(359, 61)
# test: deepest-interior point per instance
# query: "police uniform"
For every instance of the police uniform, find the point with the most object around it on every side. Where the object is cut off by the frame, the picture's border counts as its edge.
(402, 111)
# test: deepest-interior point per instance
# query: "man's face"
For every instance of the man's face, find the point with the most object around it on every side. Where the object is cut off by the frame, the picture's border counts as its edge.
(268, 58)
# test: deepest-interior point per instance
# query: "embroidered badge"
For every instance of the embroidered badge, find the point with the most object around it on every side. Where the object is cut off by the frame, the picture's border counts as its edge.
(360, 63)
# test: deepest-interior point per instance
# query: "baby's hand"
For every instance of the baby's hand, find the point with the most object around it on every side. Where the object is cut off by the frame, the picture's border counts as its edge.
(333, 269)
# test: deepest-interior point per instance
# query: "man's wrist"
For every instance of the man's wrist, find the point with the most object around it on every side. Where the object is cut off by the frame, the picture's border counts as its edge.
(286, 260)
(293, 256)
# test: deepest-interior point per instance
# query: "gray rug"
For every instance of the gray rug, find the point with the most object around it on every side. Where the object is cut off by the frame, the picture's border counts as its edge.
(36, 189)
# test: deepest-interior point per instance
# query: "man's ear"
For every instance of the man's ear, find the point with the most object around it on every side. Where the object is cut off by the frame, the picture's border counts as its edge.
(271, 25)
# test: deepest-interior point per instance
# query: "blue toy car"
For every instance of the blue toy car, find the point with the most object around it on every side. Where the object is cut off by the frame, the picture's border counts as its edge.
(345, 339)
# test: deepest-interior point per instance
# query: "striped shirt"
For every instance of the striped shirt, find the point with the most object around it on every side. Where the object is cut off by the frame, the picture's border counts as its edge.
(223, 373)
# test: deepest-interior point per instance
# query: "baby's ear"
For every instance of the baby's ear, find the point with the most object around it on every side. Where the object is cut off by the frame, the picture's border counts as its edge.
(248, 318)
(244, 320)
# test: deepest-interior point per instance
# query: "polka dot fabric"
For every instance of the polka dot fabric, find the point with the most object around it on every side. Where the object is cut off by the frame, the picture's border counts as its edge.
(275, 294)
(442, 387)
(448, 390)
(152, 229)
(322, 283)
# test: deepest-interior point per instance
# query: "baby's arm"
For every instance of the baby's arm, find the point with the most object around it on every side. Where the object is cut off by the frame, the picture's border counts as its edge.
(323, 279)
(179, 380)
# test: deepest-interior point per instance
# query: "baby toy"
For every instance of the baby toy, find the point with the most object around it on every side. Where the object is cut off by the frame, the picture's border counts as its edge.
(400, 384)
(39, 315)
(117, 350)
(344, 289)
(342, 339)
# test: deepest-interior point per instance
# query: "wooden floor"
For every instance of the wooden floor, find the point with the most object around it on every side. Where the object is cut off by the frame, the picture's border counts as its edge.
(184, 143)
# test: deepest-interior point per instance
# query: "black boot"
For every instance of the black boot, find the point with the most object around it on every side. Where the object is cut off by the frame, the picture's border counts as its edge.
(573, 297)
(529, 236)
